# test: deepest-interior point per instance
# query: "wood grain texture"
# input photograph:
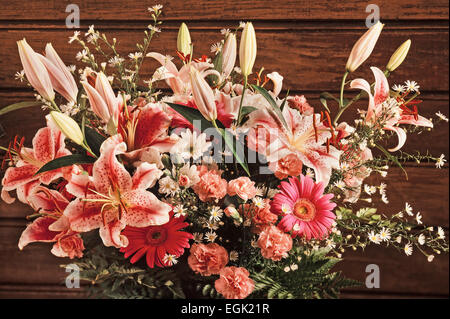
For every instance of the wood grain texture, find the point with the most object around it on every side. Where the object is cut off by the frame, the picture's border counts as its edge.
(401, 275)
(304, 40)
(35, 266)
(312, 60)
(228, 10)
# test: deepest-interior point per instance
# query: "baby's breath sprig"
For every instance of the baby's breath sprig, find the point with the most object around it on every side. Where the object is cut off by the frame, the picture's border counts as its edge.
(140, 55)
(366, 227)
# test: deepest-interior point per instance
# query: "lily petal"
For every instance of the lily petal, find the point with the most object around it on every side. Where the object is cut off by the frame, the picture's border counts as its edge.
(108, 173)
(111, 234)
(38, 231)
(381, 89)
(401, 137)
(145, 209)
(146, 176)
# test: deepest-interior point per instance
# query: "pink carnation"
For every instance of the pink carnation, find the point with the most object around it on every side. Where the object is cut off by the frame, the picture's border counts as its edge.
(274, 243)
(69, 246)
(260, 217)
(242, 187)
(290, 165)
(207, 259)
(234, 283)
(211, 185)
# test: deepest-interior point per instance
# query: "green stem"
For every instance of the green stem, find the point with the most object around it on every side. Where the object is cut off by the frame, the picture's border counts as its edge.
(55, 107)
(87, 148)
(242, 100)
(341, 103)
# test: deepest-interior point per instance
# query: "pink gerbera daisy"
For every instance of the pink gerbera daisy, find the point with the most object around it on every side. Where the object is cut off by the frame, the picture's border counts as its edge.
(306, 210)
(157, 242)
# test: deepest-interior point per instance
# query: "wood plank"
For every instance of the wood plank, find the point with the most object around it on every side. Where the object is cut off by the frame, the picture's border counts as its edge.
(419, 277)
(312, 60)
(33, 265)
(229, 10)
(40, 292)
(426, 190)
(400, 274)
(57, 292)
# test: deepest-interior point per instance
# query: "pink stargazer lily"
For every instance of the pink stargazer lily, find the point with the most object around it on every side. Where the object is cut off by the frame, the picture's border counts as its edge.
(112, 199)
(304, 137)
(48, 144)
(382, 106)
(145, 132)
(179, 80)
(53, 226)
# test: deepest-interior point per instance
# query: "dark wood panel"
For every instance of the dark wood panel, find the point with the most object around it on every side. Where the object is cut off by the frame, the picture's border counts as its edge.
(40, 292)
(312, 60)
(226, 10)
(400, 274)
(33, 265)
(426, 190)
(57, 292)
(308, 42)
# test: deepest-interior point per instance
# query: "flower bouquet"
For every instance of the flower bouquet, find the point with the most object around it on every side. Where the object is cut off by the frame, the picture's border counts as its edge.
(203, 180)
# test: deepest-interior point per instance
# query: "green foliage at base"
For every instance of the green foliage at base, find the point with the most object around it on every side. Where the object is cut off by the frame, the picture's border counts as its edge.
(110, 275)
(313, 279)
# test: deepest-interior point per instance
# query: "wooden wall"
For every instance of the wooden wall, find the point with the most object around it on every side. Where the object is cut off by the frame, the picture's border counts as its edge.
(308, 43)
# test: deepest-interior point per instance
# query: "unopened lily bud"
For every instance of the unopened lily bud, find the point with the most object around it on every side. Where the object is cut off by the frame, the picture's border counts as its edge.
(68, 127)
(229, 54)
(60, 76)
(398, 56)
(102, 99)
(203, 95)
(98, 104)
(363, 47)
(184, 40)
(35, 71)
(247, 49)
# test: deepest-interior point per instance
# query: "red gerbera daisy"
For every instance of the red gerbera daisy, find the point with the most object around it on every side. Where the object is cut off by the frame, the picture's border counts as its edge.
(162, 243)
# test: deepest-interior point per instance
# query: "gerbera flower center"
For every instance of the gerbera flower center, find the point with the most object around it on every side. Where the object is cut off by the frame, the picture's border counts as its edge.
(304, 210)
(156, 236)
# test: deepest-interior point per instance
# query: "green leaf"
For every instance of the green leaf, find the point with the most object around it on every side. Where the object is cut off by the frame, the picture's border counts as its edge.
(66, 161)
(18, 106)
(366, 212)
(246, 110)
(328, 95)
(218, 62)
(93, 139)
(111, 127)
(272, 103)
(192, 115)
(232, 142)
(284, 101)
